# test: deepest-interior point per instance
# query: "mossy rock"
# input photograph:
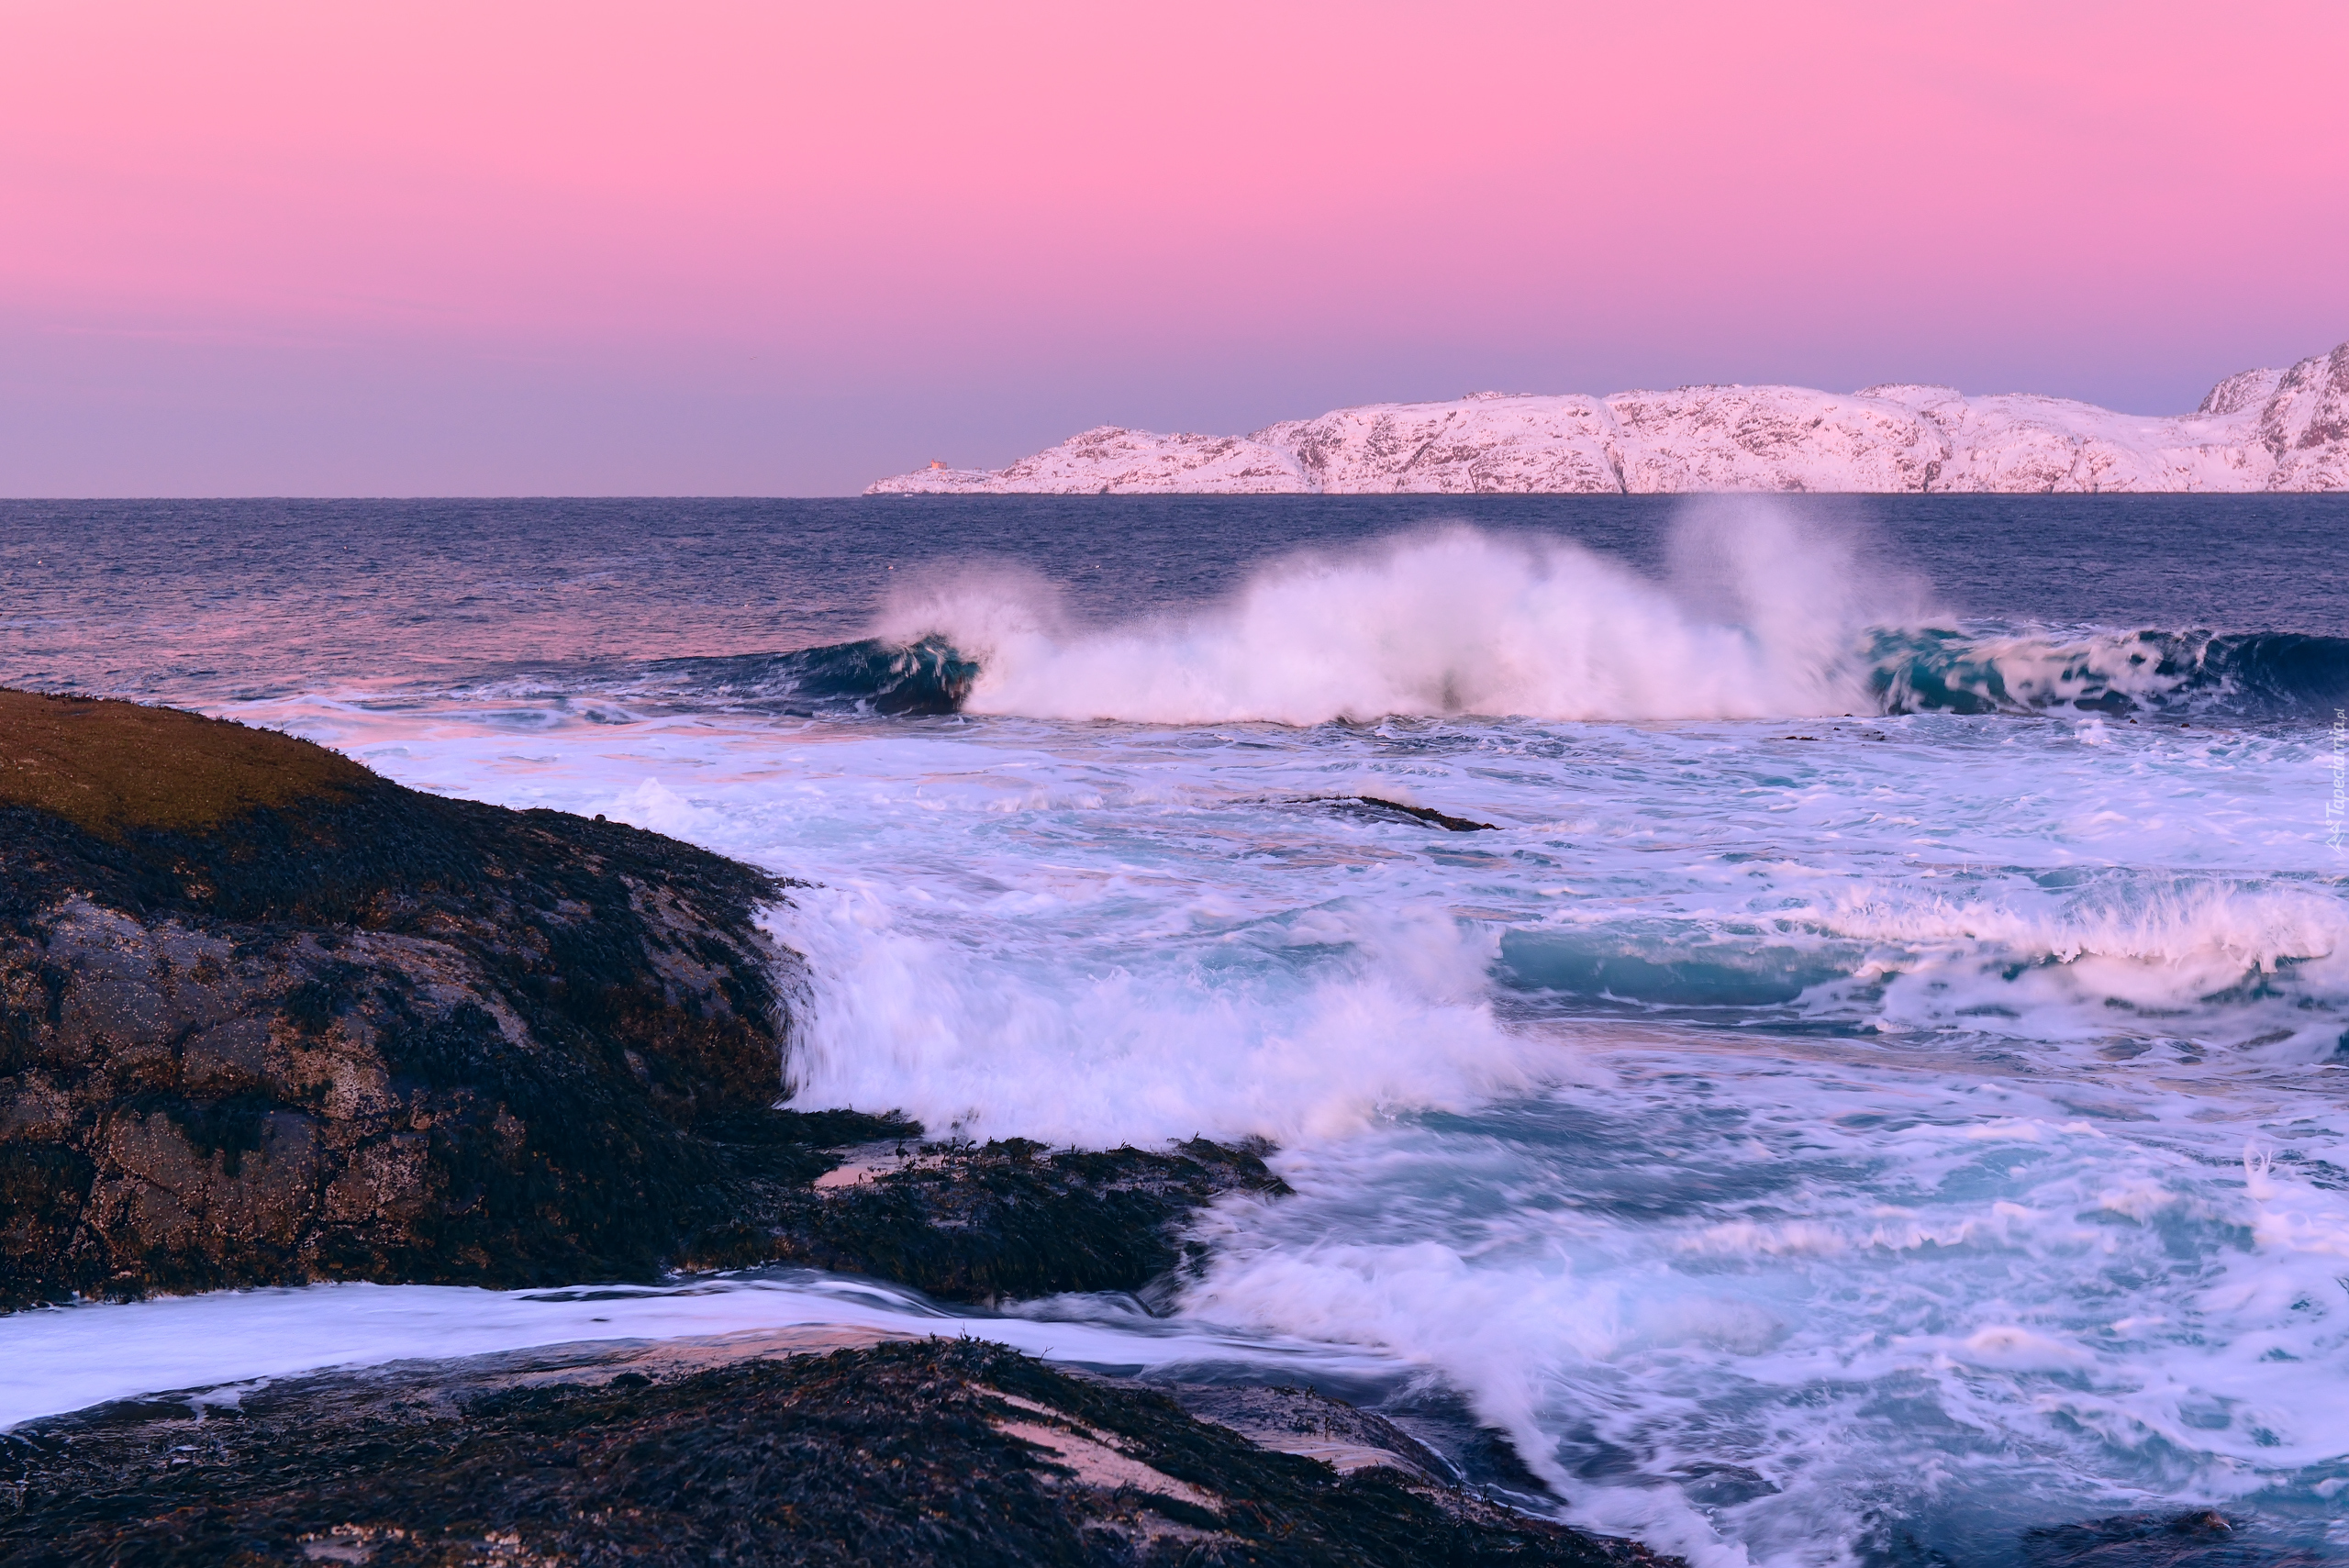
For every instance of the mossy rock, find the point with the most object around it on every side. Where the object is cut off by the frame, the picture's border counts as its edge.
(112, 767)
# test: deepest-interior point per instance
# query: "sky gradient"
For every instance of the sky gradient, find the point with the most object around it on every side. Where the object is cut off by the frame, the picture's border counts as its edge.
(776, 249)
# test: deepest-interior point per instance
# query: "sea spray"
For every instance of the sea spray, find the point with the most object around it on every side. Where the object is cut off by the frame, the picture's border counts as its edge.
(1307, 1025)
(1452, 622)
(1763, 612)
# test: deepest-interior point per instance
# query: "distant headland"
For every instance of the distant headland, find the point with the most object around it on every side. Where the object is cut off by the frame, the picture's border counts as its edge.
(2262, 430)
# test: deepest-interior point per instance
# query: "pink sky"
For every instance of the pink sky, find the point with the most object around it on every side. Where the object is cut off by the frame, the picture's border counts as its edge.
(514, 247)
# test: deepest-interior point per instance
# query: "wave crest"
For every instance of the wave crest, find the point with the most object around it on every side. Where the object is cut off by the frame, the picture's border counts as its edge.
(2195, 671)
(1758, 620)
(1760, 615)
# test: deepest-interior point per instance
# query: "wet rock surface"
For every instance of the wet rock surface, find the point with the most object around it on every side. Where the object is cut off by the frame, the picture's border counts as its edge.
(1373, 808)
(1002, 1220)
(1303, 1422)
(913, 1452)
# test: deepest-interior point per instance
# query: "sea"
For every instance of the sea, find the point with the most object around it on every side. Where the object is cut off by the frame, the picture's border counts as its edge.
(1861, 1077)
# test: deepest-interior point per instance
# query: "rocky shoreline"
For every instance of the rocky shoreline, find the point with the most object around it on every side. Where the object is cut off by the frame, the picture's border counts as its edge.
(267, 1018)
(947, 1452)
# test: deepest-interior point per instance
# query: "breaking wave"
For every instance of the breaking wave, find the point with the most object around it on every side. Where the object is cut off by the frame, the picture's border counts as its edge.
(2246, 675)
(1759, 616)
(2248, 965)
(870, 676)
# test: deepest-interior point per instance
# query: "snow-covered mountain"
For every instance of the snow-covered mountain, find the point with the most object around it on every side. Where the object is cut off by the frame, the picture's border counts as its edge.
(2263, 429)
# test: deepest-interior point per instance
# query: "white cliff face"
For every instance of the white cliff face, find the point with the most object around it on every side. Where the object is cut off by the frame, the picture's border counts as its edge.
(2263, 429)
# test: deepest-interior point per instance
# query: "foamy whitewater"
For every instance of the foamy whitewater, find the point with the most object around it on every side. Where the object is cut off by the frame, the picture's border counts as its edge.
(1879, 1087)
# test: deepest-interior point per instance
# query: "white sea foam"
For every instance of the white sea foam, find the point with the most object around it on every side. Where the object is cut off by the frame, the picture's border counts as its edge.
(1761, 613)
(63, 1359)
(2225, 964)
(1302, 1027)
(2262, 966)
(2068, 1313)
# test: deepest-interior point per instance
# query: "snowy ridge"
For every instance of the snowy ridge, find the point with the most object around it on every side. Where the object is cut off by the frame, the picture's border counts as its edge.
(2261, 429)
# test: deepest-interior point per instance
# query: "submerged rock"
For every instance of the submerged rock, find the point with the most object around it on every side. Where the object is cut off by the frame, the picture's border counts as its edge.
(911, 1452)
(2195, 1537)
(1374, 808)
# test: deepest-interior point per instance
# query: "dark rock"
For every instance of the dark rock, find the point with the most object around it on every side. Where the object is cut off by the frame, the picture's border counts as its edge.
(930, 1452)
(267, 1018)
(1373, 808)
(1304, 1421)
(1002, 1220)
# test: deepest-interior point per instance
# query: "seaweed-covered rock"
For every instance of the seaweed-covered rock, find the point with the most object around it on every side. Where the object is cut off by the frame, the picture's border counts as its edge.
(266, 1017)
(909, 1453)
